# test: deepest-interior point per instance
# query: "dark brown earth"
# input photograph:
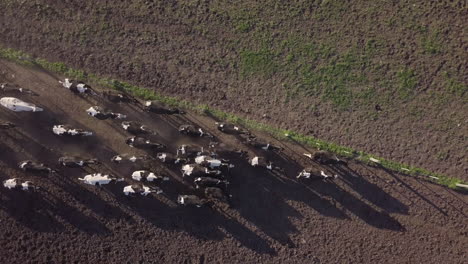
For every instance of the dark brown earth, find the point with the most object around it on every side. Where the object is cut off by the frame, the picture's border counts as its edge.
(366, 215)
(251, 58)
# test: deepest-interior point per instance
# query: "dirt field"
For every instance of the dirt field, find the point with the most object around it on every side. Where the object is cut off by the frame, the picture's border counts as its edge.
(366, 215)
(316, 67)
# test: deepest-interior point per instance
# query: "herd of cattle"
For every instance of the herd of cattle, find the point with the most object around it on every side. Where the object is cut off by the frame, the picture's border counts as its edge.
(204, 167)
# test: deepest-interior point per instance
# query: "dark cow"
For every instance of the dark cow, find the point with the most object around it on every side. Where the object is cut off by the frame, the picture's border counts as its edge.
(192, 131)
(203, 182)
(32, 166)
(326, 158)
(76, 162)
(143, 143)
(131, 158)
(11, 89)
(140, 189)
(17, 184)
(216, 194)
(66, 130)
(136, 128)
(312, 174)
(195, 170)
(157, 108)
(191, 200)
(6, 125)
(117, 97)
(231, 129)
(103, 114)
(77, 87)
(189, 151)
(258, 144)
(170, 158)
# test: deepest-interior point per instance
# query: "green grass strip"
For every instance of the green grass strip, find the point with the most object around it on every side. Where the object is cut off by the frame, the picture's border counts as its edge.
(281, 134)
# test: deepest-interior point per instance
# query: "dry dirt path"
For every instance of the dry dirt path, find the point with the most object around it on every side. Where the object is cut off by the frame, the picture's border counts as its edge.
(367, 215)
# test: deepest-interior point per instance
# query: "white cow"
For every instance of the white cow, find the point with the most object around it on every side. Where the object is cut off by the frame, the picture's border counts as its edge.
(140, 189)
(19, 185)
(148, 176)
(98, 179)
(16, 105)
(66, 130)
(211, 163)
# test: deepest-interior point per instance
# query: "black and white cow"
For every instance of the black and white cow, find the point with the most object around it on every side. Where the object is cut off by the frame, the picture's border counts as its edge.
(259, 144)
(140, 189)
(326, 158)
(17, 184)
(195, 170)
(191, 130)
(170, 158)
(131, 158)
(67, 130)
(103, 114)
(6, 125)
(77, 87)
(143, 143)
(76, 162)
(203, 182)
(98, 179)
(261, 162)
(191, 200)
(144, 175)
(157, 108)
(13, 89)
(312, 174)
(117, 97)
(231, 129)
(136, 128)
(31, 166)
(189, 151)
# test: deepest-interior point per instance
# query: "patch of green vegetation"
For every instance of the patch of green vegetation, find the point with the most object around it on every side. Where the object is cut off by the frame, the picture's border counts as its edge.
(281, 134)
(430, 43)
(243, 26)
(407, 83)
(262, 62)
(454, 86)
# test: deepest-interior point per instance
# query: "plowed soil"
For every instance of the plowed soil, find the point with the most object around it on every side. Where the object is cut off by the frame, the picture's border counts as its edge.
(366, 215)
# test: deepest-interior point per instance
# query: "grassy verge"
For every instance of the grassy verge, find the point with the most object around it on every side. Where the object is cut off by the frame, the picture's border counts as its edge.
(146, 94)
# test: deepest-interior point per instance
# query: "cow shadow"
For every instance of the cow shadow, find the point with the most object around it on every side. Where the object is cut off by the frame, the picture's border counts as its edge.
(410, 188)
(367, 190)
(360, 209)
(205, 223)
(30, 210)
